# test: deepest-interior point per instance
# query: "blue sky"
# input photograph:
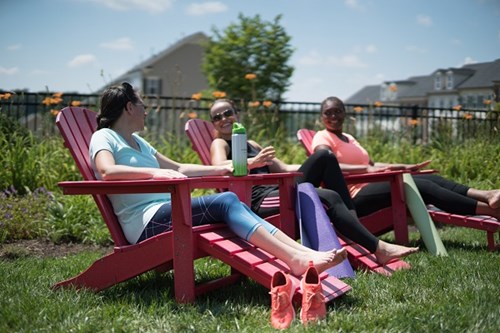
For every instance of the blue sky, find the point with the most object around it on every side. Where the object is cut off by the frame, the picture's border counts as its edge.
(340, 45)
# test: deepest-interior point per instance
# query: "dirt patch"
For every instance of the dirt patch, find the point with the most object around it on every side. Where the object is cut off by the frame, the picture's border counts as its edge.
(42, 248)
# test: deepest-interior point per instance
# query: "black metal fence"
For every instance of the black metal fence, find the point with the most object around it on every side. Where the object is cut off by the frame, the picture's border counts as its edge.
(37, 112)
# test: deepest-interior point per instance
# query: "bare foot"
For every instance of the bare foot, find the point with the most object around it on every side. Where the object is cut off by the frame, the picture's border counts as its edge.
(494, 199)
(321, 260)
(386, 252)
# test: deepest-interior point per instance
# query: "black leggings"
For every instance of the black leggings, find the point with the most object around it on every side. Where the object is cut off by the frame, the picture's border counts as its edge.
(322, 168)
(435, 190)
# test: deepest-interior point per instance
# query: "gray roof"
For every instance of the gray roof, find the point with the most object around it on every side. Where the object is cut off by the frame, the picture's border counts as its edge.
(196, 38)
(484, 75)
(366, 95)
(419, 87)
(480, 75)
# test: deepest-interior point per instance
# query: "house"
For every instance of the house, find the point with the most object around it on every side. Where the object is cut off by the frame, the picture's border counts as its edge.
(472, 86)
(176, 71)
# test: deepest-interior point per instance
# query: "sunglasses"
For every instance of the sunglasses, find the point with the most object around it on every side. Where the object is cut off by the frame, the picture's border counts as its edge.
(226, 114)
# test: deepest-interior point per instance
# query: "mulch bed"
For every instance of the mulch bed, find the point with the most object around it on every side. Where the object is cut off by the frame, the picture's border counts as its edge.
(42, 248)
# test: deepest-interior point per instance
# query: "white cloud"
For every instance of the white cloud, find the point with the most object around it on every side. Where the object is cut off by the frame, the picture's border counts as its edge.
(311, 59)
(198, 9)
(371, 48)
(467, 61)
(424, 20)
(152, 6)
(14, 47)
(346, 61)
(354, 4)
(40, 72)
(456, 41)
(8, 71)
(82, 60)
(123, 43)
(316, 59)
(415, 49)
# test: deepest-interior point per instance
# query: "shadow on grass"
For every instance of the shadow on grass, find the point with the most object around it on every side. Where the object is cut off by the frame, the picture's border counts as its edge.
(153, 288)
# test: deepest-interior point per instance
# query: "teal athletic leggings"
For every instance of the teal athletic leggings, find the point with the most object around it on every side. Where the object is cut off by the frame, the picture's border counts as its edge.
(224, 207)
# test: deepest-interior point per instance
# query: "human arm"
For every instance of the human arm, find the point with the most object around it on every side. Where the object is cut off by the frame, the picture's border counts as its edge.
(109, 170)
(193, 170)
(353, 168)
(398, 166)
(266, 157)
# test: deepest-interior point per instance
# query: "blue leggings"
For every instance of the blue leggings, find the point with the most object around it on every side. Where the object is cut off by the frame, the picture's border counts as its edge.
(224, 207)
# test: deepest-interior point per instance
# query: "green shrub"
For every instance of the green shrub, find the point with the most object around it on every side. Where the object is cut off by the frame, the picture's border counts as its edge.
(76, 219)
(24, 217)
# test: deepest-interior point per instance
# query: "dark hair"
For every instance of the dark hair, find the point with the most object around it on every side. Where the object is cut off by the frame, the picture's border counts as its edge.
(332, 100)
(228, 101)
(113, 101)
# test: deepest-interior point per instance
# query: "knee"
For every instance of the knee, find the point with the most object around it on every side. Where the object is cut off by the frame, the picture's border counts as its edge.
(229, 198)
(329, 197)
(323, 153)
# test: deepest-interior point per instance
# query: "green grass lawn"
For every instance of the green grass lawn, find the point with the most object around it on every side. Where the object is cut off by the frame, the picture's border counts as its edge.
(459, 293)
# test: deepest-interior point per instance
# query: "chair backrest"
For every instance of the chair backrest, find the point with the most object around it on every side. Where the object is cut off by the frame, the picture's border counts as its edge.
(305, 137)
(201, 133)
(77, 125)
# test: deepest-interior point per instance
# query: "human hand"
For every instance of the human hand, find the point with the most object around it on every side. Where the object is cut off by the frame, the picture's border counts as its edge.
(225, 169)
(263, 158)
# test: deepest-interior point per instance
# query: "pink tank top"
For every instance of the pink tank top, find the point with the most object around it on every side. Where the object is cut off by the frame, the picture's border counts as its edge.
(350, 152)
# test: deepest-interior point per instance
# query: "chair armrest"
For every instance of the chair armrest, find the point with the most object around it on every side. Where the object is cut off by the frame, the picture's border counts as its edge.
(373, 177)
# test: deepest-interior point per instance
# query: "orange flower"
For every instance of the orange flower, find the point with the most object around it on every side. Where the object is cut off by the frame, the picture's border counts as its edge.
(358, 109)
(267, 103)
(51, 101)
(54, 112)
(413, 122)
(393, 88)
(219, 94)
(76, 103)
(253, 104)
(487, 102)
(192, 115)
(250, 76)
(5, 96)
(378, 104)
(196, 96)
(57, 94)
(468, 116)
(457, 107)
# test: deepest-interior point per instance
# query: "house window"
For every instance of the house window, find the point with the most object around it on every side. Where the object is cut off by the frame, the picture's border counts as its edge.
(437, 81)
(449, 80)
(152, 86)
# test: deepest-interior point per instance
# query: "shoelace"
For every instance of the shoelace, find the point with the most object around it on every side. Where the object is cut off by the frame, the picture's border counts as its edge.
(279, 299)
(313, 298)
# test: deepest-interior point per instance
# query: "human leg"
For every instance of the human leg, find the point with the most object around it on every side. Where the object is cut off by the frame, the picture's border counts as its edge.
(349, 226)
(373, 197)
(246, 224)
(322, 169)
(452, 197)
(490, 197)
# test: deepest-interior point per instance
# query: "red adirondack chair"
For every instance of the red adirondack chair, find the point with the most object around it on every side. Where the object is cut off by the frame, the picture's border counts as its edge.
(201, 133)
(485, 223)
(179, 247)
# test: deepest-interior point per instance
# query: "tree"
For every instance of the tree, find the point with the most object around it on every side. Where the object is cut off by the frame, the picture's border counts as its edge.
(250, 47)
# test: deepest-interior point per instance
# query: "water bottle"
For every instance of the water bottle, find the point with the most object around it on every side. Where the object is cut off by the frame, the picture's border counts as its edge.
(239, 150)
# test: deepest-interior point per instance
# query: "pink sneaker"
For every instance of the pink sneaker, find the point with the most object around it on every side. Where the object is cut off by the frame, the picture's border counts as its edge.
(313, 302)
(282, 290)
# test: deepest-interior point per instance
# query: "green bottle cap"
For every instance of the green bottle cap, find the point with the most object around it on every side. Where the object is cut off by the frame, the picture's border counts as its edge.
(238, 128)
